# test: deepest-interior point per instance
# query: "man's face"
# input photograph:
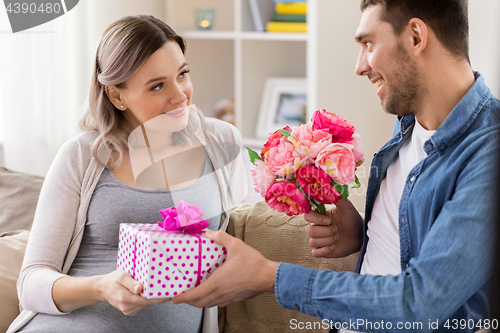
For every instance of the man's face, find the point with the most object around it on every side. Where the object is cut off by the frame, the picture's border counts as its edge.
(386, 62)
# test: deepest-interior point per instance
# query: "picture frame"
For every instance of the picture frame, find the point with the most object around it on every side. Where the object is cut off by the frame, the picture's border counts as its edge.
(284, 102)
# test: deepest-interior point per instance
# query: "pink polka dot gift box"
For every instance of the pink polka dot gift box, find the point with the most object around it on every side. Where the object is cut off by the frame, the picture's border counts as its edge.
(170, 257)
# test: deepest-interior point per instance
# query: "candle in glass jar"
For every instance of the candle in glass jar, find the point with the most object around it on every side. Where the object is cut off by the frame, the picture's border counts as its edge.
(204, 18)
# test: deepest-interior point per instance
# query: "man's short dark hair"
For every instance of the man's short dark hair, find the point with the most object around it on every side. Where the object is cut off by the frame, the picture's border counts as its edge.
(447, 18)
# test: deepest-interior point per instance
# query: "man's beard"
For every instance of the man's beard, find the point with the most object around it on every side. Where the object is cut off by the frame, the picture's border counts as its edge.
(404, 95)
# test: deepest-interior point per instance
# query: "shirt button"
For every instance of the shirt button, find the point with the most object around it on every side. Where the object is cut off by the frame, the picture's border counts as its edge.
(297, 307)
(412, 179)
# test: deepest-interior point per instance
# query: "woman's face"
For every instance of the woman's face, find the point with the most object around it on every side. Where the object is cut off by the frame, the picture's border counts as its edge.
(161, 86)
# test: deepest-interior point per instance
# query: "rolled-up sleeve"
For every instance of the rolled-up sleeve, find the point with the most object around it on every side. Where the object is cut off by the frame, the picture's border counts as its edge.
(293, 286)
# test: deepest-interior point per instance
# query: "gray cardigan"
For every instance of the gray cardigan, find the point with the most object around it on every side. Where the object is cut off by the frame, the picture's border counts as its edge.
(61, 213)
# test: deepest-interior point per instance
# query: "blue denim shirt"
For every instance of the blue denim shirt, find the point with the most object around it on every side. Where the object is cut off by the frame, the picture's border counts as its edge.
(446, 229)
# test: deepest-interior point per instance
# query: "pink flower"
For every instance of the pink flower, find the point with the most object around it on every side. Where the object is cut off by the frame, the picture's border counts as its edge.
(287, 198)
(338, 161)
(263, 178)
(308, 142)
(273, 140)
(185, 217)
(316, 184)
(340, 129)
(358, 154)
(282, 159)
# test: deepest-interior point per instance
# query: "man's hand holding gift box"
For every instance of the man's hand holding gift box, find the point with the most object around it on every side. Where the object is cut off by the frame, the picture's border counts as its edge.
(172, 256)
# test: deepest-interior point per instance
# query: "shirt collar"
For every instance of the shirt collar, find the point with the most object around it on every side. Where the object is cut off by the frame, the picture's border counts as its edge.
(459, 119)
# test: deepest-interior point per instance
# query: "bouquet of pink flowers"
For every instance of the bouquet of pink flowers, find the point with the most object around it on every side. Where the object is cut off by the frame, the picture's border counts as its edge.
(309, 166)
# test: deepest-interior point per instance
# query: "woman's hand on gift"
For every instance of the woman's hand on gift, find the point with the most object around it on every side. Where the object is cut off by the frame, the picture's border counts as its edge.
(122, 291)
(245, 273)
(338, 235)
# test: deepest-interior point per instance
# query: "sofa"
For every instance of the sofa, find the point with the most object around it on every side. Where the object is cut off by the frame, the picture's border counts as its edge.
(276, 235)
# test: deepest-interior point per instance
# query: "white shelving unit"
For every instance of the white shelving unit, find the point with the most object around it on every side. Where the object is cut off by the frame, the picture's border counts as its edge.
(253, 57)
(246, 35)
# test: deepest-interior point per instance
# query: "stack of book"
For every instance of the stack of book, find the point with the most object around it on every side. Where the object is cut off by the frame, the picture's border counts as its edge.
(289, 16)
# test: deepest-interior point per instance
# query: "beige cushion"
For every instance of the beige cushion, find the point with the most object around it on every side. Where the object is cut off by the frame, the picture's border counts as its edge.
(12, 247)
(18, 197)
(280, 238)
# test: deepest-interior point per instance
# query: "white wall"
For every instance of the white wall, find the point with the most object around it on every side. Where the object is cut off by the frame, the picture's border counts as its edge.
(484, 29)
(342, 91)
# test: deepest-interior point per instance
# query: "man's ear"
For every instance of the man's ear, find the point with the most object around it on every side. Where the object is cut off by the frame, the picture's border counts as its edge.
(419, 34)
(115, 96)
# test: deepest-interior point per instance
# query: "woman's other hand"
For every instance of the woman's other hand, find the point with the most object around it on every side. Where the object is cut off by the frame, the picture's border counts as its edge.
(118, 288)
(122, 291)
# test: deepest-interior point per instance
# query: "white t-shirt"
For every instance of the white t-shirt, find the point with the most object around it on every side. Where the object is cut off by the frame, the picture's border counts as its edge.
(382, 255)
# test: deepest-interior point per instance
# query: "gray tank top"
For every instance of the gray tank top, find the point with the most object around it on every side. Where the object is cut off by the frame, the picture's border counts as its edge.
(113, 203)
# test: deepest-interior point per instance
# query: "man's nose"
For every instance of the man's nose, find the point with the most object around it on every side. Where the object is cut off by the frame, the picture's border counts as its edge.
(362, 67)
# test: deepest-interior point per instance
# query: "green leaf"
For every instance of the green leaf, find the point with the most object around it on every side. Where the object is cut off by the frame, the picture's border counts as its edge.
(254, 156)
(357, 184)
(286, 133)
(343, 189)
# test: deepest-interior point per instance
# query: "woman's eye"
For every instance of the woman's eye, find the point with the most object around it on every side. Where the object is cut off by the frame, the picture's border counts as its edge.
(183, 73)
(157, 87)
(368, 44)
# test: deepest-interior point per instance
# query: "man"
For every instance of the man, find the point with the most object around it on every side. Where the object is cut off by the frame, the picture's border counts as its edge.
(428, 237)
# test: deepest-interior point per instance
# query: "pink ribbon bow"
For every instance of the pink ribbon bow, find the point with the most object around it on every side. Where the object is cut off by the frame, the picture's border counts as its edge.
(186, 218)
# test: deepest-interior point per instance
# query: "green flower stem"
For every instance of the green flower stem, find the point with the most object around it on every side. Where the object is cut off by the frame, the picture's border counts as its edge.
(321, 209)
(317, 207)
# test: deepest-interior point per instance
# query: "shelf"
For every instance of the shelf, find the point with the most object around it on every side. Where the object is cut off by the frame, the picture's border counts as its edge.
(198, 34)
(234, 61)
(246, 35)
(251, 35)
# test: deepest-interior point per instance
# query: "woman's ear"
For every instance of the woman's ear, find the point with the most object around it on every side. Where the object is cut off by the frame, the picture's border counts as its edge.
(419, 34)
(115, 96)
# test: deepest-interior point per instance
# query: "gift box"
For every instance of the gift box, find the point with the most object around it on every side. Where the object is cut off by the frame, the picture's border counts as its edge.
(166, 262)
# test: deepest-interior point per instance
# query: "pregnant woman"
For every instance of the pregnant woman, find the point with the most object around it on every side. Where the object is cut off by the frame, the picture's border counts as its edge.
(69, 281)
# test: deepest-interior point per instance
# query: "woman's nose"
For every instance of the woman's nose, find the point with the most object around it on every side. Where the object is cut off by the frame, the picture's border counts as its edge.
(178, 96)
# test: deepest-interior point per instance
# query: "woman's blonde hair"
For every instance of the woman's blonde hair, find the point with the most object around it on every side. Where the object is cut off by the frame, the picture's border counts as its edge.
(124, 47)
